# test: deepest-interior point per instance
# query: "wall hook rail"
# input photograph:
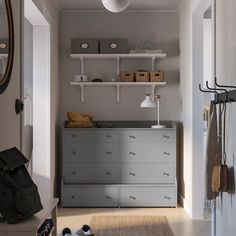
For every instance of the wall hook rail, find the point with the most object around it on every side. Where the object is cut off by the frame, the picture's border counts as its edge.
(224, 97)
(210, 91)
(218, 89)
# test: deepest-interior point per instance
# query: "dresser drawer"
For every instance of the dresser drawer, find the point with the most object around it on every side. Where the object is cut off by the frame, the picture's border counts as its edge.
(86, 196)
(146, 136)
(147, 173)
(145, 196)
(91, 153)
(148, 153)
(90, 135)
(91, 173)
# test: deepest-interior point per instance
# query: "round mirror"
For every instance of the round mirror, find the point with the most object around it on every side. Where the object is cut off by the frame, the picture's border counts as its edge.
(6, 44)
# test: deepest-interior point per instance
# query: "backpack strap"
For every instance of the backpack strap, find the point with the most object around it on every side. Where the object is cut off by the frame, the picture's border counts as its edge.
(2, 220)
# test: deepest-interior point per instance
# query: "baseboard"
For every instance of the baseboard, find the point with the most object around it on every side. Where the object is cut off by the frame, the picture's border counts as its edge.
(185, 204)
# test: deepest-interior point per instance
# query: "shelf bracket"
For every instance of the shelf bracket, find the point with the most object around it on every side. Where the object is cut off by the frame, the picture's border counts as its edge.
(117, 93)
(153, 63)
(82, 66)
(153, 91)
(82, 93)
(118, 65)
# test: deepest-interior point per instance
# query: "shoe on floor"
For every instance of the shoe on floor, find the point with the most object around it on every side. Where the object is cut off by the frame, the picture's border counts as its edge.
(66, 232)
(85, 230)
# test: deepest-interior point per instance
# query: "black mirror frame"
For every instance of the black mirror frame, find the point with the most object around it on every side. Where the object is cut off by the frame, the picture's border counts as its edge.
(7, 75)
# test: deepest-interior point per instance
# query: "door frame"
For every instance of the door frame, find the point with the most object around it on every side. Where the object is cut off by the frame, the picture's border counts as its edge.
(198, 190)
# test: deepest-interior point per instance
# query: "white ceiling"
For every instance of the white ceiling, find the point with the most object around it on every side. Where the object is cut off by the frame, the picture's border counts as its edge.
(134, 4)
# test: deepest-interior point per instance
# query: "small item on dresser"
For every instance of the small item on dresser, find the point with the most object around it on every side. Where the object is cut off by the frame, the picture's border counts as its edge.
(84, 46)
(79, 120)
(156, 76)
(114, 46)
(142, 76)
(127, 77)
(104, 124)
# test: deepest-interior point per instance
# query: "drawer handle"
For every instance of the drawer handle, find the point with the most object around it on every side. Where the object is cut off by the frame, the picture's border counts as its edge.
(166, 197)
(109, 153)
(73, 197)
(109, 198)
(167, 153)
(166, 174)
(133, 198)
(73, 173)
(109, 136)
(132, 153)
(74, 135)
(133, 174)
(133, 137)
(74, 152)
(166, 136)
(109, 173)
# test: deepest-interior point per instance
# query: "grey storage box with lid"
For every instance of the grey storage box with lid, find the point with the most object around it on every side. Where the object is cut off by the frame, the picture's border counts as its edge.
(4, 46)
(114, 46)
(84, 46)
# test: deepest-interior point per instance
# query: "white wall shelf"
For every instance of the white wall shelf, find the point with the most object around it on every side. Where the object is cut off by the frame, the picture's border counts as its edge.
(117, 57)
(118, 85)
(3, 55)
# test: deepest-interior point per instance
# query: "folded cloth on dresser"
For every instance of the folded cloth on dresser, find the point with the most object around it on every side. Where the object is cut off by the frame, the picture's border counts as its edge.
(79, 120)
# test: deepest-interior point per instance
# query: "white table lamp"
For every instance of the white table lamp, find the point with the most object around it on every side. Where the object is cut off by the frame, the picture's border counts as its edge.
(149, 103)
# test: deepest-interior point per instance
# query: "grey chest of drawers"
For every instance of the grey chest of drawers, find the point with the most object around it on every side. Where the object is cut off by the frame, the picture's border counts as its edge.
(130, 165)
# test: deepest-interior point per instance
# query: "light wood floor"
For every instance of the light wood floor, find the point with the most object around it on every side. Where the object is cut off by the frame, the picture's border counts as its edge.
(178, 219)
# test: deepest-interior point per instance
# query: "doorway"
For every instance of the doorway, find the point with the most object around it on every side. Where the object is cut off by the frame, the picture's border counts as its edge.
(36, 89)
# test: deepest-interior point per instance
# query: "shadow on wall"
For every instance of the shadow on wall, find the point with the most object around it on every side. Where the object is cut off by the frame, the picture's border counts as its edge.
(43, 184)
(231, 178)
(171, 47)
(180, 160)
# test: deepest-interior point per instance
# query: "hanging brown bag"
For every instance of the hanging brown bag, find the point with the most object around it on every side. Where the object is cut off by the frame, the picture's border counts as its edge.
(220, 178)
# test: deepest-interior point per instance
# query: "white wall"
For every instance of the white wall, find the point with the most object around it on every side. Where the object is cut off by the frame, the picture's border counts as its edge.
(10, 122)
(50, 11)
(41, 109)
(27, 130)
(186, 85)
(225, 71)
(157, 26)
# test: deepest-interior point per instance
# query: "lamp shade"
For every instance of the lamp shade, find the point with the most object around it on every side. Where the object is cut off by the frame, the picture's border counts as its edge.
(148, 102)
(115, 5)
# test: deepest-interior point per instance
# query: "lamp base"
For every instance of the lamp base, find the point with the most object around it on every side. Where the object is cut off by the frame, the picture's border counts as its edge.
(158, 126)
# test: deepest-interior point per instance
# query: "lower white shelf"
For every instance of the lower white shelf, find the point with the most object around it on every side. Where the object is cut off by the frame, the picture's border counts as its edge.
(82, 85)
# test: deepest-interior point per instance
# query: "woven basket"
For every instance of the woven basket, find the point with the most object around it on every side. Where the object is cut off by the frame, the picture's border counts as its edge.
(142, 76)
(127, 77)
(156, 76)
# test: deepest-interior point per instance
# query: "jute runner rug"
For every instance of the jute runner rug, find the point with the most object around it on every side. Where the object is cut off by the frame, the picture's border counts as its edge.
(130, 226)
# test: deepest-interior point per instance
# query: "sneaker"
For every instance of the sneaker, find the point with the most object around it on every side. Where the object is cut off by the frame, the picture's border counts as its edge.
(66, 232)
(85, 230)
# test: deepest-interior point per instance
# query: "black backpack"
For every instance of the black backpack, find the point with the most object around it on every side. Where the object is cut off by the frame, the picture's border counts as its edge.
(19, 197)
